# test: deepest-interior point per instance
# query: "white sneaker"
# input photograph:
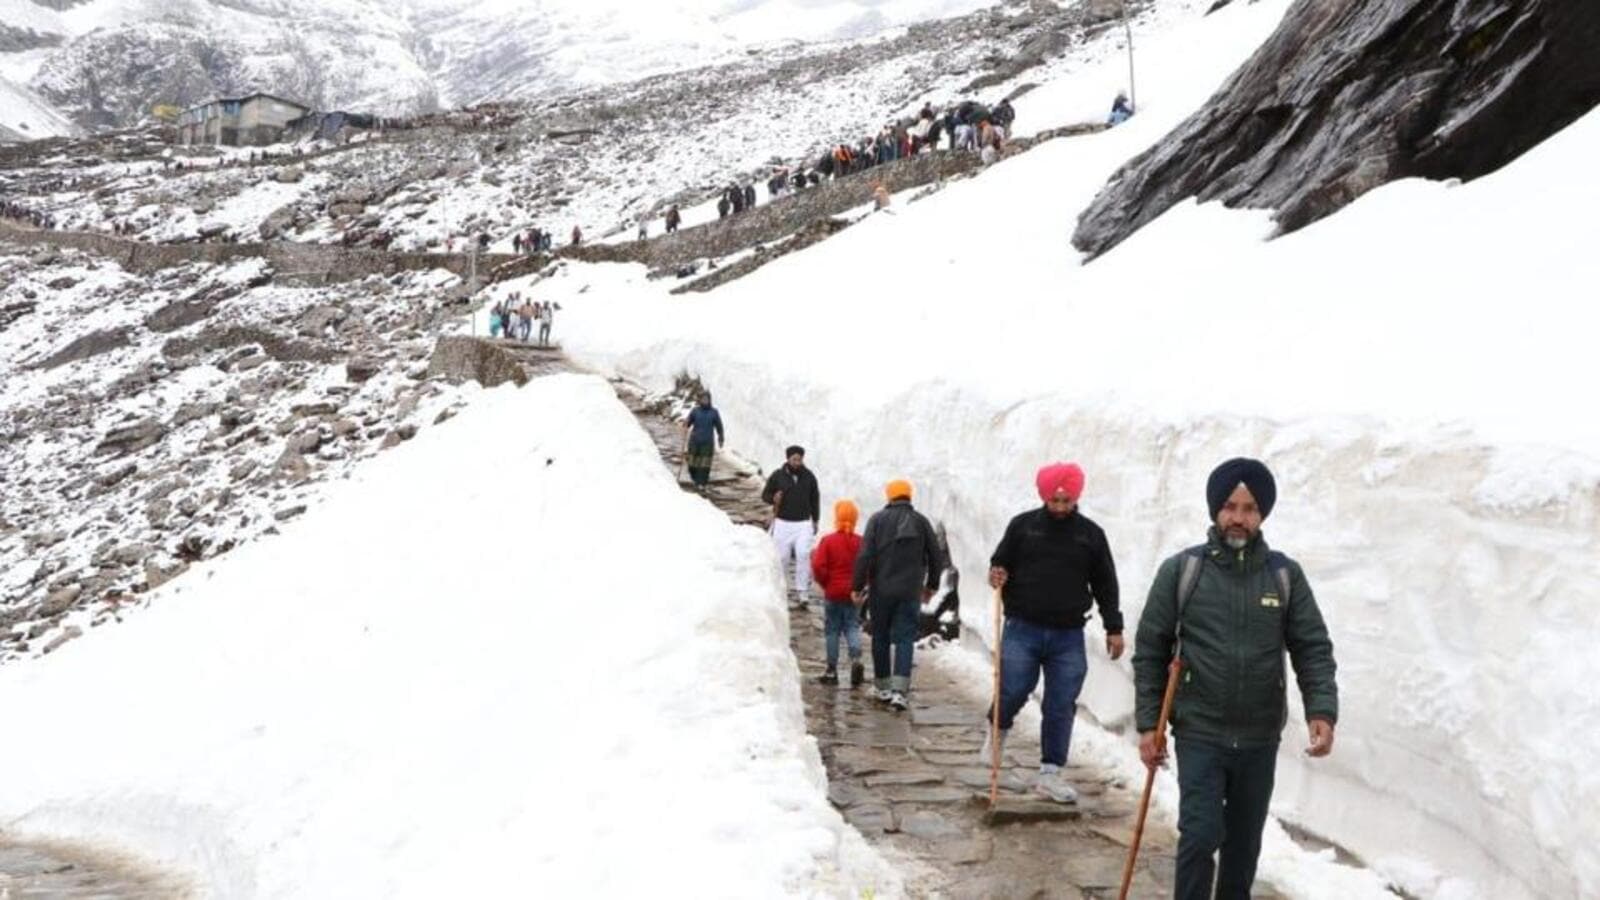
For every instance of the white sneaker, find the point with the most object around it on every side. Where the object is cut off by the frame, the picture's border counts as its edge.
(898, 700)
(986, 755)
(885, 695)
(1052, 784)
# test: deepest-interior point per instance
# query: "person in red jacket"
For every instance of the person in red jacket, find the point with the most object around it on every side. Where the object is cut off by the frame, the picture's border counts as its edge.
(833, 563)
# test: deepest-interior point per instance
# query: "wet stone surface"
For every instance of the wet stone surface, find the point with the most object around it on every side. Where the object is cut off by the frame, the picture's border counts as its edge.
(913, 782)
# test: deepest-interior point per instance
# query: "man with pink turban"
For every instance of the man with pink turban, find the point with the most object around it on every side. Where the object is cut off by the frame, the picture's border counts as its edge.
(1053, 566)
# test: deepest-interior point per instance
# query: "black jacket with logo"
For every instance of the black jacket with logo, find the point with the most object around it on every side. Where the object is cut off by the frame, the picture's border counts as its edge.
(1235, 631)
(1057, 570)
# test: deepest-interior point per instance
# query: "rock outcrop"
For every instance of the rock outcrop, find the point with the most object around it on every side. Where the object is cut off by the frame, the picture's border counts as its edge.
(475, 359)
(1345, 97)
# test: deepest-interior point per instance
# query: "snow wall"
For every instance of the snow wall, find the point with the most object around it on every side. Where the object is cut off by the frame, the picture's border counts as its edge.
(1413, 369)
(508, 652)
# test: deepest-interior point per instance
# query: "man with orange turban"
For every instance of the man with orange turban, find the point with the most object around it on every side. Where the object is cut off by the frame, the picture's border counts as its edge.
(897, 570)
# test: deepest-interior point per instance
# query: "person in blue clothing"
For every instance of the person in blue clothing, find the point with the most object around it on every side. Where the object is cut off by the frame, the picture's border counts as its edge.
(1121, 110)
(704, 427)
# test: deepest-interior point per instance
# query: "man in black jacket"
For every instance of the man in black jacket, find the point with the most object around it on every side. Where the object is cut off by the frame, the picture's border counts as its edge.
(1052, 567)
(796, 507)
(897, 570)
(1228, 610)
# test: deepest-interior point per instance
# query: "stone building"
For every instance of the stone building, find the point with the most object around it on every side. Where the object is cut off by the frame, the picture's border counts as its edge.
(254, 120)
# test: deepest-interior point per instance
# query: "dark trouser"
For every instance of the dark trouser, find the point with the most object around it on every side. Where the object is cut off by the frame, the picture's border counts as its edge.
(698, 461)
(894, 625)
(1223, 795)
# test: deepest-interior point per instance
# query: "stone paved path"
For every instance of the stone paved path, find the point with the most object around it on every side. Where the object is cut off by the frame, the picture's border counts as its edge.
(913, 782)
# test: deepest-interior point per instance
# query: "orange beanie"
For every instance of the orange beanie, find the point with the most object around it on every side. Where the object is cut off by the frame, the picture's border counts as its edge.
(845, 515)
(898, 489)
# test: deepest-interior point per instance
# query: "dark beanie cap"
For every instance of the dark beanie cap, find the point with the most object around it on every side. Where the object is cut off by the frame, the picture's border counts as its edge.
(794, 449)
(1252, 473)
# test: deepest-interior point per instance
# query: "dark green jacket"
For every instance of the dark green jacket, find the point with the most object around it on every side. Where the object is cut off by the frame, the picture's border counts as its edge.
(1235, 631)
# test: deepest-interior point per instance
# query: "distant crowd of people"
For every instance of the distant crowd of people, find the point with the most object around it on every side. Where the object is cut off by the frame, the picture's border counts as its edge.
(964, 126)
(16, 212)
(513, 317)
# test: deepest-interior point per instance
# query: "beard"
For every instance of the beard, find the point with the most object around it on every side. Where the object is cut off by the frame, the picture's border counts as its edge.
(1238, 538)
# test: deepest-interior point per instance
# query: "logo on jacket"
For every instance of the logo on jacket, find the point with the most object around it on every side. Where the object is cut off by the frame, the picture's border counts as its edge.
(1270, 600)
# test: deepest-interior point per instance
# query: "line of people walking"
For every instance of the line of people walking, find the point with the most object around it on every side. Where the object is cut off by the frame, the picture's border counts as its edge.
(1226, 613)
(515, 317)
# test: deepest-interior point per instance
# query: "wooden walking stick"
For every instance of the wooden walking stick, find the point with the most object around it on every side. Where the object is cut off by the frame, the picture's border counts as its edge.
(994, 723)
(1150, 774)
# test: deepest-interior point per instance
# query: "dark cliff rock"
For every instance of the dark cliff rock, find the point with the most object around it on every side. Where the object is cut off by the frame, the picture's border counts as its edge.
(1345, 97)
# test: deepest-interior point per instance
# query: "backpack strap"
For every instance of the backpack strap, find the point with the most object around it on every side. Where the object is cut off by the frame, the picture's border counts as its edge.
(1188, 578)
(1278, 565)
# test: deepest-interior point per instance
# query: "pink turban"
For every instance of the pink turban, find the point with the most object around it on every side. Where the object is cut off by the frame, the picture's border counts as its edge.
(1066, 478)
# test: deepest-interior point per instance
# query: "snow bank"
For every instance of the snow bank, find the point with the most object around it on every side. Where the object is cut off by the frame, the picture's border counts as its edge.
(509, 655)
(1436, 479)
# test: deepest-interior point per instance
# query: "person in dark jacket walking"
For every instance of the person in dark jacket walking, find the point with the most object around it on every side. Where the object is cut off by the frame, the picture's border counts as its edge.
(796, 507)
(673, 218)
(704, 425)
(1245, 606)
(1052, 566)
(897, 571)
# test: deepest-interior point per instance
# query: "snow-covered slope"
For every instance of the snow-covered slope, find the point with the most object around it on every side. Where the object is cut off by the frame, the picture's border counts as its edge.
(109, 62)
(1414, 368)
(25, 116)
(495, 49)
(461, 685)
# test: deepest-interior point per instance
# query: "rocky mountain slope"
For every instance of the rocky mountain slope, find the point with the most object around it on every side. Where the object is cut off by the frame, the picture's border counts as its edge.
(596, 158)
(150, 421)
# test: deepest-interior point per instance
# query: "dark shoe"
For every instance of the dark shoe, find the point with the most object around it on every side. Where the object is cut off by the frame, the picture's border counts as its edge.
(829, 677)
(858, 674)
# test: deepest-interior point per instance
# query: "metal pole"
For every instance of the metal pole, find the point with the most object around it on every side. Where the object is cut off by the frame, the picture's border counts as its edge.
(1127, 28)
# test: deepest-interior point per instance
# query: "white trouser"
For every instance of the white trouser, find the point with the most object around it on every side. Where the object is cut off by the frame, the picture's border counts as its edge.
(794, 543)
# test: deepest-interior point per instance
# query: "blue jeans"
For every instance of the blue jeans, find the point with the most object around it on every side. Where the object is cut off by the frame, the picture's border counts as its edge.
(1223, 795)
(894, 626)
(840, 618)
(1027, 649)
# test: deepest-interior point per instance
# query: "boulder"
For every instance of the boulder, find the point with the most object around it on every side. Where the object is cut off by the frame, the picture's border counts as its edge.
(318, 319)
(475, 359)
(133, 554)
(59, 601)
(88, 346)
(361, 368)
(289, 174)
(1349, 96)
(132, 438)
(189, 412)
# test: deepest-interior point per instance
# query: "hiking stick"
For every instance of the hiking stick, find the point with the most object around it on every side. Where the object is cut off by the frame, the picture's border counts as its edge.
(1150, 773)
(683, 459)
(994, 723)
